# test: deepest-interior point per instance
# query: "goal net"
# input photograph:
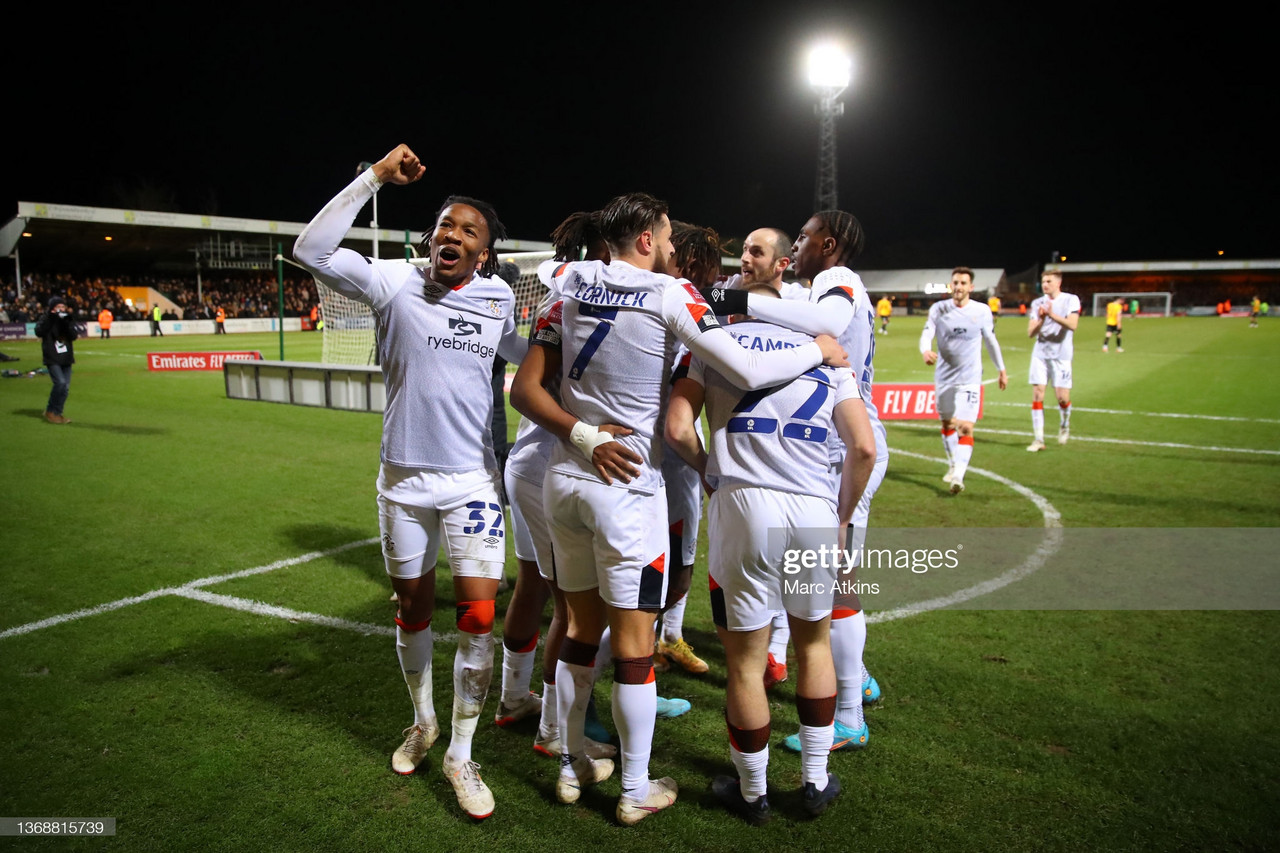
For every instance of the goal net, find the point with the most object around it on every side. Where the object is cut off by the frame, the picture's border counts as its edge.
(1155, 303)
(349, 333)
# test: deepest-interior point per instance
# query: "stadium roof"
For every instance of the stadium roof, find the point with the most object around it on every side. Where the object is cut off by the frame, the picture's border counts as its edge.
(63, 238)
(928, 282)
(1165, 266)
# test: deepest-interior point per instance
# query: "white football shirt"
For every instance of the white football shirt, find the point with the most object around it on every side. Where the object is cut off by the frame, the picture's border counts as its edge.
(960, 332)
(1055, 340)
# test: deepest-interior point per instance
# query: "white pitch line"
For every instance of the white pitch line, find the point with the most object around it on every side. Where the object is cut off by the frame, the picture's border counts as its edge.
(1048, 547)
(157, 593)
(261, 609)
(80, 614)
(1075, 408)
(280, 564)
(1101, 440)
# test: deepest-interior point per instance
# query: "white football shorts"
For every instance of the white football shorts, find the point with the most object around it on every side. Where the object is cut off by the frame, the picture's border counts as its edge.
(959, 402)
(1050, 371)
(684, 506)
(609, 538)
(745, 563)
(419, 510)
(529, 524)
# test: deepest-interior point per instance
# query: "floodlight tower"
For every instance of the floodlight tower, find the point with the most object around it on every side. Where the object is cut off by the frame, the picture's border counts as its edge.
(365, 164)
(830, 69)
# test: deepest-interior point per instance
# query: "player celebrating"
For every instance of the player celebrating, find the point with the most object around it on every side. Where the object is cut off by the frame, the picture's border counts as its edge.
(614, 327)
(438, 481)
(524, 474)
(958, 323)
(769, 467)
(836, 302)
(766, 255)
(1052, 321)
(697, 260)
(1115, 314)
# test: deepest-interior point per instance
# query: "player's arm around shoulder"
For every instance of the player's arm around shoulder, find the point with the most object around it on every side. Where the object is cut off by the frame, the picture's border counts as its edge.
(693, 321)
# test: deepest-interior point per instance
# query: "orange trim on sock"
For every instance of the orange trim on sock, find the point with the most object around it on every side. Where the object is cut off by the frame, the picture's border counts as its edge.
(947, 433)
(475, 617)
(414, 627)
(843, 612)
(966, 439)
(1035, 406)
(1065, 405)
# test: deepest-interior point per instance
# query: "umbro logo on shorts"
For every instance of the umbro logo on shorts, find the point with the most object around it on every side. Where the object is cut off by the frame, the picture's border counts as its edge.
(388, 544)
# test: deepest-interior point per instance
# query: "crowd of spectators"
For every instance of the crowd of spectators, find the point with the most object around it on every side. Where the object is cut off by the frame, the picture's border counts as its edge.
(244, 294)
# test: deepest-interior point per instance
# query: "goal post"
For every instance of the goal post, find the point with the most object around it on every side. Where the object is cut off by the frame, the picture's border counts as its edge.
(1158, 303)
(349, 335)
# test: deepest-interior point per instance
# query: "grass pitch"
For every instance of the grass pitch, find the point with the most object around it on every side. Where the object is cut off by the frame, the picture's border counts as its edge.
(200, 726)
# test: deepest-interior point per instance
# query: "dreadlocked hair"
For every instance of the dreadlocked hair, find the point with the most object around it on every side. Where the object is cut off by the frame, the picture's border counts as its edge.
(696, 246)
(497, 231)
(575, 234)
(845, 227)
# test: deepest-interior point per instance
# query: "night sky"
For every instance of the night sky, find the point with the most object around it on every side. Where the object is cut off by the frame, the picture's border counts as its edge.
(979, 134)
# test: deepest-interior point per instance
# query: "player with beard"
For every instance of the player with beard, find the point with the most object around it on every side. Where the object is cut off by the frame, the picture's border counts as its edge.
(447, 316)
(837, 301)
(615, 327)
(959, 324)
(768, 462)
(766, 255)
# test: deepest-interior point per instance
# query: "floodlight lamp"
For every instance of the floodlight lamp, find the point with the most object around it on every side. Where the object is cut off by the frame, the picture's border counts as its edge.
(830, 67)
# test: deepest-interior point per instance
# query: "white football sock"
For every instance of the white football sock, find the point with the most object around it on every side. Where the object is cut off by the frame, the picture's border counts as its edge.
(635, 708)
(414, 649)
(752, 772)
(472, 673)
(848, 639)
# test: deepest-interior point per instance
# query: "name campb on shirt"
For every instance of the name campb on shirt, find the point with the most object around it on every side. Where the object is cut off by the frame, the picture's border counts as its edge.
(754, 342)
